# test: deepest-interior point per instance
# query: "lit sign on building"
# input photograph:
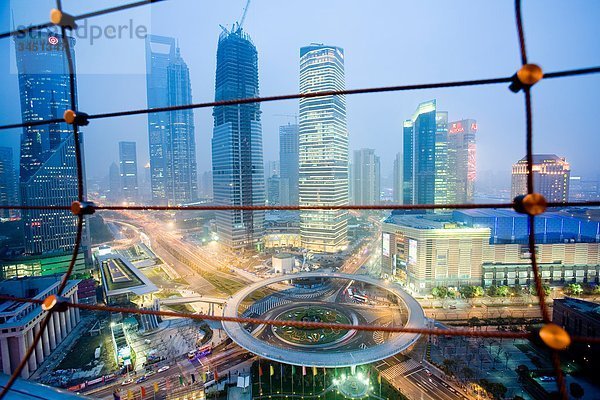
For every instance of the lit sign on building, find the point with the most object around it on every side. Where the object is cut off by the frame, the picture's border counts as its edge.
(386, 244)
(456, 127)
(412, 252)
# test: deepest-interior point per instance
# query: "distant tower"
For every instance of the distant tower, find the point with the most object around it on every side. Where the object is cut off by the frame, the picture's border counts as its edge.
(48, 173)
(323, 149)
(114, 183)
(461, 160)
(425, 157)
(171, 134)
(288, 164)
(550, 177)
(398, 178)
(128, 171)
(366, 176)
(237, 153)
(8, 183)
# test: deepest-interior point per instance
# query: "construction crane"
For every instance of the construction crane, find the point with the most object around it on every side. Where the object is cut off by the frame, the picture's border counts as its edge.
(288, 115)
(241, 23)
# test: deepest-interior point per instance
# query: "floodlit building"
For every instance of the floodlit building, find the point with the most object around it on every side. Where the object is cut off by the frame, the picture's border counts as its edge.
(366, 177)
(237, 152)
(20, 322)
(171, 134)
(461, 161)
(323, 149)
(489, 247)
(550, 177)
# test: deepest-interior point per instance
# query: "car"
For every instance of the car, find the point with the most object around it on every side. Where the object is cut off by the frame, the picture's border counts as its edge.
(452, 307)
(127, 381)
(141, 379)
(149, 374)
(147, 341)
(163, 368)
(548, 378)
(428, 372)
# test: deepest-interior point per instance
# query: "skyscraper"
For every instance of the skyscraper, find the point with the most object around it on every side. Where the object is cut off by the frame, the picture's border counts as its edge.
(550, 177)
(323, 149)
(48, 172)
(237, 159)
(171, 134)
(8, 183)
(461, 160)
(114, 183)
(397, 176)
(425, 156)
(288, 164)
(128, 171)
(366, 177)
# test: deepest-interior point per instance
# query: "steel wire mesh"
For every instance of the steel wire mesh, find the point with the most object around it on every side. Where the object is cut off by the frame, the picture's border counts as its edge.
(301, 324)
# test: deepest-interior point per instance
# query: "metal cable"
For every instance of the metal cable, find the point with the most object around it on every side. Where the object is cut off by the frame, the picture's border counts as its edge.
(397, 329)
(476, 82)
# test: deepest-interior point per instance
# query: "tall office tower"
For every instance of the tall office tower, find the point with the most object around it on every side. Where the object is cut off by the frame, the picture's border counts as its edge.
(206, 185)
(441, 158)
(8, 183)
(273, 184)
(323, 149)
(288, 164)
(461, 160)
(397, 176)
(550, 177)
(366, 177)
(128, 171)
(237, 154)
(114, 183)
(171, 134)
(48, 172)
(425, 156)
(271, 168)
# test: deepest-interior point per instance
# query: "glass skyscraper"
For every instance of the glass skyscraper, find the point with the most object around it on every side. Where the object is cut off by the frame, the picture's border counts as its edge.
(288, 164)
(237, 152)
(323, 149)
(8, 183)
(128, 171)
(425, 164)
(171, 134)
(48, 171)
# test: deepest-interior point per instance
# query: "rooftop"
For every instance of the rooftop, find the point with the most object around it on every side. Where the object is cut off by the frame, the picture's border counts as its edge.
(119, 276)
(585, 307)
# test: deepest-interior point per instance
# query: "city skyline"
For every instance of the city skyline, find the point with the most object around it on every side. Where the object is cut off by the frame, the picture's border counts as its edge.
(501, 120)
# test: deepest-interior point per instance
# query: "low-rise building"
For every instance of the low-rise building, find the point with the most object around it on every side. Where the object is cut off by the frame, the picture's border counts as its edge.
(283, 263)
(489, 247)
(20, 322)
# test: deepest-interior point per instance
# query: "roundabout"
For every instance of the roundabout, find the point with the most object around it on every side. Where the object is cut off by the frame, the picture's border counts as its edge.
(337, 301)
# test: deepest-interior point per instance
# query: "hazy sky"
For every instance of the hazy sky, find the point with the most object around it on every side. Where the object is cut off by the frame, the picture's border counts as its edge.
(385, 42)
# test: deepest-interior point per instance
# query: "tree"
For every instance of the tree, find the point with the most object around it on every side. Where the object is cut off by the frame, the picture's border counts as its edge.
(440, 292)
(467, 292)
(478, 291)
(573, 289)
(502, 291)
(576, 390)
(492, 291)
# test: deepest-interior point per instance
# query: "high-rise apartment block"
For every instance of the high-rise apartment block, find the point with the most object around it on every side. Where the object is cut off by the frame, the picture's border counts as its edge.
(128, 171)
(288, 164)
(171, 134)
(550, 177)
(237, 159)
(366, 177)
(323, 149)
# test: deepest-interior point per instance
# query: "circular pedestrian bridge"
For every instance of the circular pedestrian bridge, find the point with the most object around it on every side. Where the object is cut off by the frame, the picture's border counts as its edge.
(323, 297)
